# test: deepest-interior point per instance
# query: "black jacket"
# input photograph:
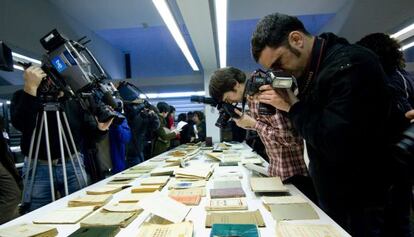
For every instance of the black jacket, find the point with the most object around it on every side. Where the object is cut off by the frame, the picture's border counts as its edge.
(347, 122)
(402, 84)
(24, 110)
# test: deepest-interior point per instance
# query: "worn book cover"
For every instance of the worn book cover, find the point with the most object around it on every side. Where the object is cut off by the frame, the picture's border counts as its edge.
(103, 218)
(187, 192)
(28, 230)
(269, 200)
(90, 200)
(106, 189)
(68, 215)
(94, 231)
(146, 188)
(267, 184)
(239, 230)
(293, 211)
(227, 192)
(242, 217)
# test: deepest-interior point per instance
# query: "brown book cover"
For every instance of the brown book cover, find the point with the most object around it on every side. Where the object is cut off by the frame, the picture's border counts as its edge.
(227, 192)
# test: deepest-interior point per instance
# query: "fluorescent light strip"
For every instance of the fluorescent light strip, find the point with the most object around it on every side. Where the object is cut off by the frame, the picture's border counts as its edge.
(403, 31)
(169, 20)
(25, 58)
(171, 95)
(221, 20)
(18, 67)
(407, 46)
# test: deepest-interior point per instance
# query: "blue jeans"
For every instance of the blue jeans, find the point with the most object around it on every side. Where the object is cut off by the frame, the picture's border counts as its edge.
(40, 193)
(135, 160)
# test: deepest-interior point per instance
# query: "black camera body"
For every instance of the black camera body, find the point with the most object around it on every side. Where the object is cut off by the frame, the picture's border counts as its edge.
(277, 79)
(130, 94)
(68, 65)
(226, 110)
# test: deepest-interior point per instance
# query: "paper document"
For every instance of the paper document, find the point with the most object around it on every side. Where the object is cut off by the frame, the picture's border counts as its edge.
(180, 125)
(288, 229)
(183, 229)
(293, 211)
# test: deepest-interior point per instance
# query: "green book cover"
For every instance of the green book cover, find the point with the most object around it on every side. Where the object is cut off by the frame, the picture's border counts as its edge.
(231, 230)
(104, 231)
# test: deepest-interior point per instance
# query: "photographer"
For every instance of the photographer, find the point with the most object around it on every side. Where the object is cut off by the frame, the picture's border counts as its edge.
(342, 111)
(283, 146)
(163, 134)
(25, 111)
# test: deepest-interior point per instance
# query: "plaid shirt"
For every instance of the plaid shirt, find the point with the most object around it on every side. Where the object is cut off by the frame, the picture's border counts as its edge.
(283, 145)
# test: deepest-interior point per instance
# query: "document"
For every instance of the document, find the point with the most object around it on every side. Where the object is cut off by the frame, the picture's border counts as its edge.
(68, 215)
(180, 125)
(288, 229)
(176, 184)
(293, 211)
(187, 192)
(246, 217)
(267, 184)
(102, 218)
(191, 200)
(28, 230)
(224, 204)
(164, 171)
(183, 229)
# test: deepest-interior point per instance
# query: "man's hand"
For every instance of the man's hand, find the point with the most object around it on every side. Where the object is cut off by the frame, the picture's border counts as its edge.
(281, 99)
(245, 121)
(104, 126)
(410, 115)
(32, 78)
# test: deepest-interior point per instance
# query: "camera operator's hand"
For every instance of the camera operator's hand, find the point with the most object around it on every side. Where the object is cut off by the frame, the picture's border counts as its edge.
(104, 126)
(245, 121)
(32, 78)
(410, 115)
(281, 99)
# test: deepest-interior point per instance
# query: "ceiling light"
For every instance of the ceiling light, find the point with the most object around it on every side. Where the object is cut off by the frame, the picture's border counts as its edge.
(169, 20)
(19, 57)
(403, 31)
(221, 21)
(171, 95)
(407, 46)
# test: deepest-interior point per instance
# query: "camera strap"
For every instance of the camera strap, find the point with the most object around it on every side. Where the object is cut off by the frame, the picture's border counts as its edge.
(313, 66)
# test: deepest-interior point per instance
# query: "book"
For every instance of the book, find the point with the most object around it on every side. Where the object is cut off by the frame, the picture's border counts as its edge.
(90, 200)
(120, 181)
(103, 218)
(101, 231)
(293, 211)
(289, 229)
(267, 184)
(224, 204)
(122, 207)
(183, 229)
(187, 192)
(28, 230)
(164, 171)
(269, 200)
(68, 215)
(194, 172)
(176, 184)
(126, 176)
(227, 192)
(191, 200)
(133, 197)
(256, 168)
(146, 188)
(240, 230)
(227, 183)
(162, 180)
(245, 217)
(106, 189)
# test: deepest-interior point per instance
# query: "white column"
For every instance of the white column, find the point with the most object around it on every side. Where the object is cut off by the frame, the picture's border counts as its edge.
(210, 112)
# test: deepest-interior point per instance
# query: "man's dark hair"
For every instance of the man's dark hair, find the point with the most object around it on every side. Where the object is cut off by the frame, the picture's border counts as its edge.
(224, 80)
(387, 49)
(273, 31)
(182, 117)
(199, 114)
(163, 107)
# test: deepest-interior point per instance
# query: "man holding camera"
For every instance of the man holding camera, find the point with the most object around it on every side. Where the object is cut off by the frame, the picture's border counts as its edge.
(343, 113)
(283, 146)
(25, 113)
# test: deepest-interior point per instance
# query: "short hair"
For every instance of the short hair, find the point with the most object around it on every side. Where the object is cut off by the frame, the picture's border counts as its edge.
(199, 114)
(387, 49)
(182, 117)
(172, 109)
(163, 107)
(273, 31)
(224, 80)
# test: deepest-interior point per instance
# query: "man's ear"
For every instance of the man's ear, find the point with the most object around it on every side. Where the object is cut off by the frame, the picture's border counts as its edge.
(296, 39)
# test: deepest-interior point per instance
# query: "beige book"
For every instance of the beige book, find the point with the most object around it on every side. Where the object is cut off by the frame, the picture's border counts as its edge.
(252, 161)
(132, 171)
(28, 230)
(126, 176)
(183, 229)
(143, 168)
(293, 211)
(133, 197)
(155, 180)
(267, 184)
(194, 173)
(122, 207)
(288, 229)
(146, 188)
(164, 171)
(188, 192)
(157, 159)
(245, 217)
(106, 189)
(165, 207)
(256, 168)
(90, 200)
(102, 218)
(68, 215)
(233, 182)
(225, 204)
(267, 200)
(177, 184)
(120, 181)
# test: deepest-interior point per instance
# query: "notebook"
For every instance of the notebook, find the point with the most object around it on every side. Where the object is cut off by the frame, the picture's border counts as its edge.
(106, 189)
(269, 200)
(191, 200)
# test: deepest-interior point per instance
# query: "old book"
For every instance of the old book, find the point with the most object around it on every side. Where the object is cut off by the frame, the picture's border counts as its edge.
(183, 229)
(133, 197)
(102, 218)
(90, 200)
(289, 229)
(165, 207)
(227, 183)
(269, 200)
(240, 230)
(162, 180)
(28, 230)
(146, 188)
(68, 215)
(226, 204)
(293, 211)
(164, 171)
(143, 168)
(126, 176)
(122, 207)
(256, 168)
(245, 217)
(176, 184)
(267, 184)
(187, 192)
(120, 181)
(227, 192)
(106, 189)
(191, 200)
(92, 231)
(194, 173)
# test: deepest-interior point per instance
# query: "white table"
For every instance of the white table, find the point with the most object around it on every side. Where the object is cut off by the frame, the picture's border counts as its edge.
(197, 214)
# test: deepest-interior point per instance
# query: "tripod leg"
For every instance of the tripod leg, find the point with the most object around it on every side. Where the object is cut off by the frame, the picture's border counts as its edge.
(62, 153)
(74, 148)
(49, 158)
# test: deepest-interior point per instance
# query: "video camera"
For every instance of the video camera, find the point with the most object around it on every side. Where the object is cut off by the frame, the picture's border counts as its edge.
(277, 79)
(131, 95)
(226, 110)
(72, 68)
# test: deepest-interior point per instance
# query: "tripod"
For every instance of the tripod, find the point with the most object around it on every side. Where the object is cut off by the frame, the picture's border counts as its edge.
(37, 133)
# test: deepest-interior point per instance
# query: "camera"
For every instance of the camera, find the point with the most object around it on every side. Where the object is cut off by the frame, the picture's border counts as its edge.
(72, 68)
(277, 79)
(130, 94)
(226, 110)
